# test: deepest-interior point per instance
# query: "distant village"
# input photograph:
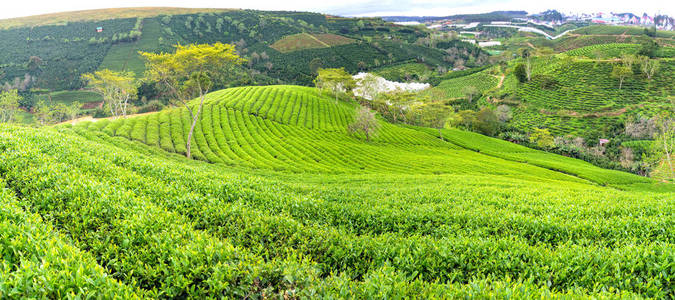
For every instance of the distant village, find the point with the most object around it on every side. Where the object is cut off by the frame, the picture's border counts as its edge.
(552, 19)
(661, 22)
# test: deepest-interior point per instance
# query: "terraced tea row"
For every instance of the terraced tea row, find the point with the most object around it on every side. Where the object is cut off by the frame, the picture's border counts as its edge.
(232, 137)
(220, 231)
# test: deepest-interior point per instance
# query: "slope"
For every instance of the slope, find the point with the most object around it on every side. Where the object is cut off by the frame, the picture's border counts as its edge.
(291, 128)
(574, 92)
(229, 231)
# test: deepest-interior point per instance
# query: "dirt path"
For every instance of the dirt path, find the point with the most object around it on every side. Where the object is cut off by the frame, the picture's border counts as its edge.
(614, 113)
(319, 41)
(501, 81)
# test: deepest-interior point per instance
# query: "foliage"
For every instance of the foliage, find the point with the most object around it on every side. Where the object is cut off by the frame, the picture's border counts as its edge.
(292, 205)
(335, 80)
(648, 48)
(542, 137)
(662, 151)
(621, 72)
(520, 72)
(191, 72)
(365, 123)
(116, 88)
(9, 105)
(434, 115)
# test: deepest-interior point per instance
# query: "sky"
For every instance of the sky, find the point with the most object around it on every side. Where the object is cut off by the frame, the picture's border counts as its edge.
(20, 8)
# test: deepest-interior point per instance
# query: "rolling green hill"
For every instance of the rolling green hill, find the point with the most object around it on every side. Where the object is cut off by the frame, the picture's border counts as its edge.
(574, 92)
(69, 45)
(283, 201)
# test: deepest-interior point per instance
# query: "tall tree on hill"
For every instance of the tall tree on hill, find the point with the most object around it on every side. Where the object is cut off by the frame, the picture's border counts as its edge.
(190, 72)
(369, 86)
(470, 91)
(649, 67)
(621, 72)
(629, 60)
(542, 137)
(9, 105)
(663, 148)
(335, 80)
(526, 54)
(364, 122)
(434, 115)
(117, 88)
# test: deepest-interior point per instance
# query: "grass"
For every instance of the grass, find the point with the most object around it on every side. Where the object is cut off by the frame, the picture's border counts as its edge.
(100, 14)
(619, 30)
(453, 88)
(301, 208)
(68, 97)
(23, 117)
(125, 57)
(302, 41)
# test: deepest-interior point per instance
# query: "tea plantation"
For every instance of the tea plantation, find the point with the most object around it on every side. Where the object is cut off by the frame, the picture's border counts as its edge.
(573, 92)
(282, 202)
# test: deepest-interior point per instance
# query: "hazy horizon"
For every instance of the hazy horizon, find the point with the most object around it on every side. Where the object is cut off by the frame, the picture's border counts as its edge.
(352, 8)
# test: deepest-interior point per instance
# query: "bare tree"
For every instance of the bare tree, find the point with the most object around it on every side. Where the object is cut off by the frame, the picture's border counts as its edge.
(364, 122)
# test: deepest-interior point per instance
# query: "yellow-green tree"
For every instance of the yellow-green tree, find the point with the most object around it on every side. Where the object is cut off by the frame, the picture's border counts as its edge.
(621, 72)
(542, 137)
(189, 72)
(117, 88)
(662, 151)
(9, 105)
(335, 80)
(434, 115)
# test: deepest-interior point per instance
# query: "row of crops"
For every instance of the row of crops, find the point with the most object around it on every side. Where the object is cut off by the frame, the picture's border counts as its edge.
(295, 129)
(585, 86)
(454, 88)
(605, 50)
(139, 221)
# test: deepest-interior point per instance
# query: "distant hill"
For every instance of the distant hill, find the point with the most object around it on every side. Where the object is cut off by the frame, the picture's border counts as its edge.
(63, 18)
(573, 92)
(68, 45)
(484, 17)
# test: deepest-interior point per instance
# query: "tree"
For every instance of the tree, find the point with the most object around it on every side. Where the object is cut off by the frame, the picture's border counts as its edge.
(504, 113)
(629, 60)
(470, 91)
(315, 64)
(661, 153)
(487, 122)
(435, 115)
(621, 72)
(648, 48)
(9, 105)
(335, 80)
(34, 63)
(117, 88)
(364, 122)
(368, 86)
(73, 110)
(466, 119)
(526, 54)
(43, 112)
(399, 102)
(189, 72)
(542, 137)
(649, 67)
(520, 72)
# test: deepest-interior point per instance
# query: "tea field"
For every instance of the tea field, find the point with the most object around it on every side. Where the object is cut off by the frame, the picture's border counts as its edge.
(282, 202)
